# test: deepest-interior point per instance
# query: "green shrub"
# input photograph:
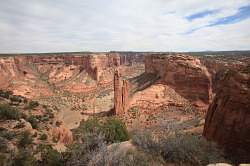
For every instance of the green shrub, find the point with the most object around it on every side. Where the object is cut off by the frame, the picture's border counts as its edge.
(24, 139)
(51, 157)
(146, 142)
(182, 149)
(191, 149)
(32, 105)
(3, 144)
(24, 158)
(3, 159)
(5, 94)
(115, 130)
(49, 112)
(134, 109)
(8, 112)
(16, 99)
(7, 134)
(129, 158)
(112, 129)
(83, 151)
(33, 121)
(43, 137)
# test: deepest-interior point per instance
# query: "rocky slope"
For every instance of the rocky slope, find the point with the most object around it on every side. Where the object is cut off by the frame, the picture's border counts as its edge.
(19, 115)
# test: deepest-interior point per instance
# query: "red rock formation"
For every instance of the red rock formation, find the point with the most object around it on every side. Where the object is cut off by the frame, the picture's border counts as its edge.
(185, 74)
(117, 94)
(216, 66)
(228, 118)
(23, 73)
(125, 95)
(121, 94)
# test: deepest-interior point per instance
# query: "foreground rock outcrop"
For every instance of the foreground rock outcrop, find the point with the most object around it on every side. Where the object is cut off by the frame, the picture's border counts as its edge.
(228, 117)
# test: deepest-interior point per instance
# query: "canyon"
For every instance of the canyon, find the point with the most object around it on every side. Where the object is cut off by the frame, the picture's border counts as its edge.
(158, 92)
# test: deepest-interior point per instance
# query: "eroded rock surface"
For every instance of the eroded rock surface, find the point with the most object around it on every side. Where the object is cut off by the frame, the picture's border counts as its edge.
(228, 117)
(186, 74)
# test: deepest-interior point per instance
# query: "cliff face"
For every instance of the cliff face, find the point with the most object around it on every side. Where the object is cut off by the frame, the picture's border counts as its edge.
(217, 67)
(228, 117)
(185, 74)
(37, 75)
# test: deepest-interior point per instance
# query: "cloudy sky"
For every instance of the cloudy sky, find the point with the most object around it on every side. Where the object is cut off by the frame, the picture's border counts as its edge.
(122, 25)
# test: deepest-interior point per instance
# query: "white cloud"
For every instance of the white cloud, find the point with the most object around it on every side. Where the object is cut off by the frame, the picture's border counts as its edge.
(99, 25)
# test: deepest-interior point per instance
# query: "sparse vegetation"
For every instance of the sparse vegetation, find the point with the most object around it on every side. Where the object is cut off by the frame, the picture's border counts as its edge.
(33, 121)
(8, 112)
(15, 98)
(32, 104)
(51, 157)
(24, 139)
(83, 151)
(43, 137)
(3, 144)
(181, 149)
(113, 129)
(3, 159)
(5, 94)
(4, 133)
(23, 158)
(130, 158)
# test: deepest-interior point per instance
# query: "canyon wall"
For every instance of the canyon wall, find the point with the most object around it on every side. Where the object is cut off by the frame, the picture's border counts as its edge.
(37, 75)
(228, 117)
(93, 63)
(186, 74)
(216, 66)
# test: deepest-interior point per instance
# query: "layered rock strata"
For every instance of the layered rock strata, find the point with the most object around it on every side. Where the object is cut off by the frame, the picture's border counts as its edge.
(186, 74)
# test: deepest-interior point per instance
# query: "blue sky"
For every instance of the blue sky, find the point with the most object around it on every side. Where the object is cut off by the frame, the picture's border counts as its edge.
(134, 25)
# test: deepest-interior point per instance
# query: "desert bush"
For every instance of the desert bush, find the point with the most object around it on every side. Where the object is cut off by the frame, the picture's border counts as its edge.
(49, 112)
(8, 112)
(191, 149)
(182, 149)
(24, 139)
(32, 105)
(112, 129)
(5, 94)
(7, 134)
(134, 111)
(33, 121)
(3, 160)
(16, 99)
(115, 130)
(50, 157)
(3, 144)
(82, 152)
(23, 158)
(43, 137)
(145, 141)
(113, 156)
